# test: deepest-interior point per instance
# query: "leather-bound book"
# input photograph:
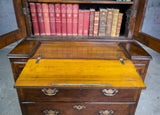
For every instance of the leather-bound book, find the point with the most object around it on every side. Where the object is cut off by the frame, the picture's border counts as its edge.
(120, 17)
(86, 22)
(52, 19)
(69, 20)
(91, 22)
(46, 18)
(109, 22)
(58, 19)
(114, 22)
(64, 19)
(102, 22)
(34, 18)
(40, 19)
(96, 24)
(80, 22)
(75, 19)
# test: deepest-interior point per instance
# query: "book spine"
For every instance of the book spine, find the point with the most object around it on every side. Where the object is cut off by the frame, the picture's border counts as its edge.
(75, 19)
(34, 18)
(52, 19)
(80, 22)
(40, 19)
(46, 18)
(69, 19)
(64, 19)
(91, 22)
(96, 24)
(119, 24)
(102, 22)
(114, 22)
(86, 23)
(109, 22)
(58, 19)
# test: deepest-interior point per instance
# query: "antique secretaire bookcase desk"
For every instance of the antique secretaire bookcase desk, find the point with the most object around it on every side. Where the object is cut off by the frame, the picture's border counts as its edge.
(79, 75)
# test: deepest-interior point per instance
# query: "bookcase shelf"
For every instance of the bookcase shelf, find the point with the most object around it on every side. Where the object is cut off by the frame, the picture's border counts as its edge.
(82, 1)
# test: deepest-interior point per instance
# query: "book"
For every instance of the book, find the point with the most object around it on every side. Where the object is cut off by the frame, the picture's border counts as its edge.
(46, 18)
(109, 22)
(64, 19)
(102, 22)
(52, 19)
(91, 22)
(40, 19)
(80, 22)
(69, 19)
(34, 18)
(75, 19)
(96, 24)
(58, 19)
(120, 17)
(86, 22)
(114, 22)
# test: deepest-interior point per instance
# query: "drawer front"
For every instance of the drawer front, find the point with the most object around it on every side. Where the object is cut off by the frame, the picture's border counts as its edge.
(89, 95)
(77, 109)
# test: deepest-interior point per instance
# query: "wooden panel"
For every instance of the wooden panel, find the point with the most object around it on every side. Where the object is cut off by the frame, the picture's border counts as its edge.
(144, 38)
(18, 34)
(88, 95)
(68, 108)
(80, 50)
(79, 73)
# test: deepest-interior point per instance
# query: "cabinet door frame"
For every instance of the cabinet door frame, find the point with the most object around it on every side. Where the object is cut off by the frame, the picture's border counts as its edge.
(19, 33)
(140, 36)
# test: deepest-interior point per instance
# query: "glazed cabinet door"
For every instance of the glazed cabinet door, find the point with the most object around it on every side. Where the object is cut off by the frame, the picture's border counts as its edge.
(148, 23)
(12, 22)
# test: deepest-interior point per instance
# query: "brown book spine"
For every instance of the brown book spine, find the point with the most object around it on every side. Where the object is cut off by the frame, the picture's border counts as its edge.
(109, 22)
(114, 22)
(91, 22)
(96, 24)
(102, 22)
(120, 17)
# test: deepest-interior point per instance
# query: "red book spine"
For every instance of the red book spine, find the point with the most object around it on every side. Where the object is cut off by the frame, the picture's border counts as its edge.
(64, 19)
(96, 24)
(75, 19)
(58, 19)
(69, 19)
(40, 19)
(46, 18)
(91, 22)
(52, 19)
(34, 18)
(86, 22)
(80, 22)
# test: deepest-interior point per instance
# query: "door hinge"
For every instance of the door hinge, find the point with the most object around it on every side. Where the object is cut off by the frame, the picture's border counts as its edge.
(135, 14)
(38, 59)
(121, 60)
(24, 11)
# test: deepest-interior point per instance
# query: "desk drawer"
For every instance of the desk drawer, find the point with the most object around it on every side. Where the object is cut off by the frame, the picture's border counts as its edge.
(93, 108)
(89, 95)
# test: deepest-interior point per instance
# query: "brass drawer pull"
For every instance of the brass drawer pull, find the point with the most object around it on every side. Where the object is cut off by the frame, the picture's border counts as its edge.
(51, 112)
(49, 91)
(79, 107)
(106, 112)
(109, 92)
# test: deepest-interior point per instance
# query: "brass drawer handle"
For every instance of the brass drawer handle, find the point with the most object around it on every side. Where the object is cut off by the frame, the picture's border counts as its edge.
(49, 91)
(109, 92)
(79, 107)
(106, 112)
(51, 112)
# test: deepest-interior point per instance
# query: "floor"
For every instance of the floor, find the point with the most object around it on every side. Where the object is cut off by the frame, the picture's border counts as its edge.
(149, 103)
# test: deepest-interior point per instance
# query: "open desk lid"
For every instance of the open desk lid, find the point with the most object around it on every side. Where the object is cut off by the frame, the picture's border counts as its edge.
(80, 73)
(20, 31)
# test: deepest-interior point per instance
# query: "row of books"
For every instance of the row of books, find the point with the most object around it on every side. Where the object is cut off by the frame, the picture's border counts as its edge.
(69, 20)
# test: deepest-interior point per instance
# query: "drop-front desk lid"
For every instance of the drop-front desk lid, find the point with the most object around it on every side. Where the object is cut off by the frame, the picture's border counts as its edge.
(79, 73)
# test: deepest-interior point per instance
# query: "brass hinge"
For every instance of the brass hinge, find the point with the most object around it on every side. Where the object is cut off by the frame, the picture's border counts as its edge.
(24, 11)
(135, 14)
(38, 59)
